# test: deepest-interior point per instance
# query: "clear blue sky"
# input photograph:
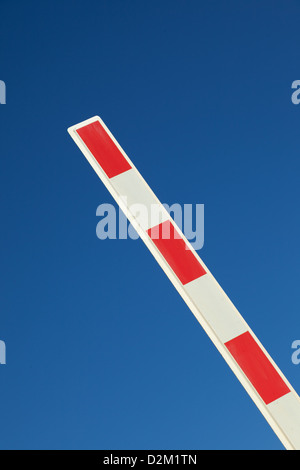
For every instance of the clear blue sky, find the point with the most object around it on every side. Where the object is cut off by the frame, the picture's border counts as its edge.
(102, 353)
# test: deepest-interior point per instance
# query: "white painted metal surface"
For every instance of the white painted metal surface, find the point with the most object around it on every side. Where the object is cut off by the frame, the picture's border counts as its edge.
(255, 369)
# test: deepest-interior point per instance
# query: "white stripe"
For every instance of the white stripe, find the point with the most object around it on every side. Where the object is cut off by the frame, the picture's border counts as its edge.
(287, 411)
(142, 202)
(204, 303)
(217, 309)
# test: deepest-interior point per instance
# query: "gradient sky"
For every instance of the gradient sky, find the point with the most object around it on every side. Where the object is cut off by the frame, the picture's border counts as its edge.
(102, 353)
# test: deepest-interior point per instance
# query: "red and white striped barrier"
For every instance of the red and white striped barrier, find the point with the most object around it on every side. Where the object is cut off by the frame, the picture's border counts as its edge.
(243, 352)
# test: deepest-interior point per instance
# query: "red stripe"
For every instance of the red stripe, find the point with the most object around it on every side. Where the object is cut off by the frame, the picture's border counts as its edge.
(175, 251)
(257, 367)
(103, 149)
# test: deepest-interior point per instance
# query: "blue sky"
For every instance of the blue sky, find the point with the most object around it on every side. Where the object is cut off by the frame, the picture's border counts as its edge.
(102, 353)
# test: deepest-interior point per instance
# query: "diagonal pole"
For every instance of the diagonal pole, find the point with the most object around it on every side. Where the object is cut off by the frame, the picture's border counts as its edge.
(236, 342)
